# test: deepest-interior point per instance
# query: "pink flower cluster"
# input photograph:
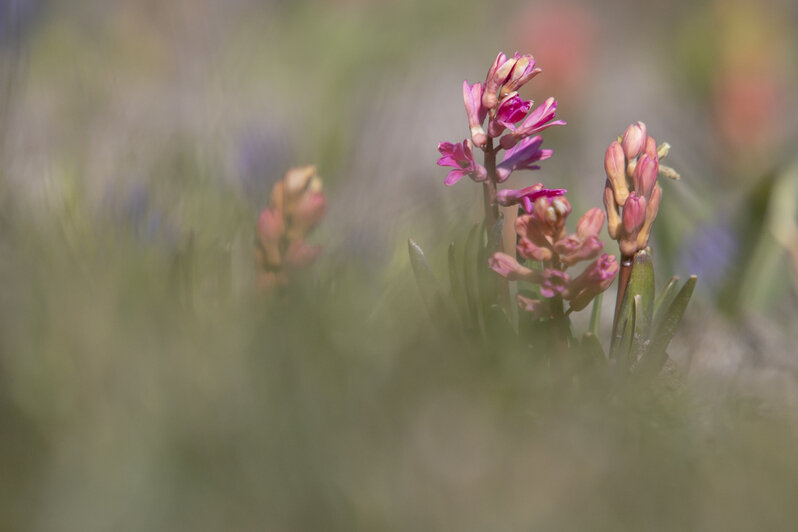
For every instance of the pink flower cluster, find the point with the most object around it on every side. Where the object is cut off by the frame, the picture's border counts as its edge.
(295, 207)
(508, 118)
(542, 238)
(631, 192)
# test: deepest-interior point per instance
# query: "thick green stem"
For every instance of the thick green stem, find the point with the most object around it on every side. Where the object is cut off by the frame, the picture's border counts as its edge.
(623, 283)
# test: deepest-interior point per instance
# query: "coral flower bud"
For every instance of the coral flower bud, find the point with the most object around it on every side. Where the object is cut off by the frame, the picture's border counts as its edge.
(634, 213)
(270, 231)
(651, 213)
(596, 278)
(615, 167)
(590, 223)
(529, 250)
(651, 148)
(613, 216)
(645, 175)
(634, 140)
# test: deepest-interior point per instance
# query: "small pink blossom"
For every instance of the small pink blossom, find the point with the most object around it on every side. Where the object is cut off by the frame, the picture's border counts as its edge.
(538, 120)
(634, 140)
(527, 196)
(523, 70)
(511, 109)
(573, 249)
(536, 307)
(461, 158)
(498, 73)
(554, 282)
(522, 156)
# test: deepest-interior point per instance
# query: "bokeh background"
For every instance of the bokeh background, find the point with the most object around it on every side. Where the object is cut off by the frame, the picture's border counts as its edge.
(145, 384)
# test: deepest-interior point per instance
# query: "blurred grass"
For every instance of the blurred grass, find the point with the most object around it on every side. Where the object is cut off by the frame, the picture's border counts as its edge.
(144, 384)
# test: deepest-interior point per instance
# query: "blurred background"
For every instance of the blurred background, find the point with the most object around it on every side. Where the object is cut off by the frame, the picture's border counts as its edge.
(145, 384)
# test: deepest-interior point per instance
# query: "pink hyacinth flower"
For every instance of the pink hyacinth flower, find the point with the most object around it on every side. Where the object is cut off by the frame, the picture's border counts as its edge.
(536, 307)
(554, 283)
(511, 109)
(522, 156)
(497, 74)
(461, 158)
(527, 196)
(538, 120)
(472, 97)
(645, 175)
(523, 70)
(634, 140)
(596, 278)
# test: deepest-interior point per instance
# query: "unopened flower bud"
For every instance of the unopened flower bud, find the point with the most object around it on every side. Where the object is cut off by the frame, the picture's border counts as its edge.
(651, 213)
(497, 75)
(510, 269)
(472, 97)
(590, 223)
(613, 216)
(634, 140)
(634, 213)
(596, 278)
(651, 148)
(529, 250)
(615, 167)
(309, 210)
(645, 175)
(270, 231)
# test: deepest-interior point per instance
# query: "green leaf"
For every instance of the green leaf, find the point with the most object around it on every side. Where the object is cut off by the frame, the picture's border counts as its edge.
(664, 300)
(641, 283)
(656, 356)
(457, 288)
(595, 316)
(621, 352)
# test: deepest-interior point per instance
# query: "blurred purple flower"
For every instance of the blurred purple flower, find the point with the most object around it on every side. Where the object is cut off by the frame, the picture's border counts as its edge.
(522, 156)
(710, 252)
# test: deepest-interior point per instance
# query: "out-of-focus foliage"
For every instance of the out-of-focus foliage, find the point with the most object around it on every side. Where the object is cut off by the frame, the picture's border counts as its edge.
(145, 384)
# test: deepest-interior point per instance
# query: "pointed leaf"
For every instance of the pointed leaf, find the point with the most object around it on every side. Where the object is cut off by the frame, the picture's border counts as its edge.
(593, 351)
(656, 356)
(457, 288)
(595, 315)
(664, 300)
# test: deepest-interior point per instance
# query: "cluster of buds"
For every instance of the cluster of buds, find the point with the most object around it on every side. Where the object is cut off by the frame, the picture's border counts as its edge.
(631, 193)
(542, 238)
(295, 207)
(508, 116)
